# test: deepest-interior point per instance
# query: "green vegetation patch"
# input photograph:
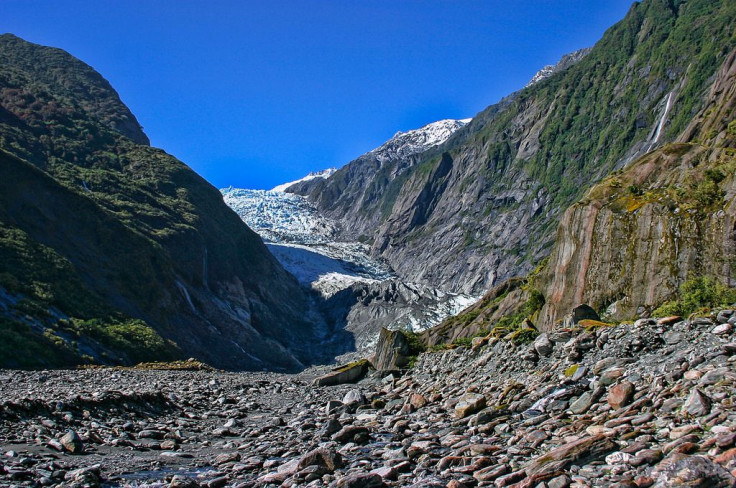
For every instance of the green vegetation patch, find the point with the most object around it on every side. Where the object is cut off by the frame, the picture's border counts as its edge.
(698, 294)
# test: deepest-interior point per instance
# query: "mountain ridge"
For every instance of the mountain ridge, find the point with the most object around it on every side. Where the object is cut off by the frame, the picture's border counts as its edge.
(483, 206)
(181, 272)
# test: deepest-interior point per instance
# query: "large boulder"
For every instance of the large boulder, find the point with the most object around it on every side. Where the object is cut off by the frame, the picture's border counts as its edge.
(349, 373)
(392, 351)
(581, 312)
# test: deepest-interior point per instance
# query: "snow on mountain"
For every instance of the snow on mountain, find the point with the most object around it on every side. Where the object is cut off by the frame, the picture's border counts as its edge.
(404, 144)
(565, 62)
(325, 173)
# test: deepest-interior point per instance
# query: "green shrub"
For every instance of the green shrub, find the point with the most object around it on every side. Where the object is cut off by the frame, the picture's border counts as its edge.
(416, 345)
(696, 294)
(524, 336)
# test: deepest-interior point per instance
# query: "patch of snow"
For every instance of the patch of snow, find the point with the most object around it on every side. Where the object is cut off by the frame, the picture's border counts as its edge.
(325, 173)
(404, 144)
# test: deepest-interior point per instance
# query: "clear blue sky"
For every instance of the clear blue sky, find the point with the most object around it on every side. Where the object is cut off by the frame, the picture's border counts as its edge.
(256, 93)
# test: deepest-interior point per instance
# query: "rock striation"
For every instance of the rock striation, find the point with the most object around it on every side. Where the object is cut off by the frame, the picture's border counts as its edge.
(636, 237)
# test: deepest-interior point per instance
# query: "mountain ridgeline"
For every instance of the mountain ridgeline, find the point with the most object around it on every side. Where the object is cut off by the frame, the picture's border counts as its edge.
(484, 206)
(115, 252)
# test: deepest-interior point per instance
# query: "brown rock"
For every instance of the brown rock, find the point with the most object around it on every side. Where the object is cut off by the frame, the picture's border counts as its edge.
(683, 470)
(558, 459)
(491, 473)
(370, 480)
(620, 395)
(417, 400)
(72, 443)
(697, 404)
(469, 404)
(727, 459)
(322, 456)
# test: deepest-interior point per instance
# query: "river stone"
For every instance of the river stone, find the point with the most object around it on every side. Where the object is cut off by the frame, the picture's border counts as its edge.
(543, 345)
(179, 481)
(582, 404)
(417, 400)
(620, 395)
(561, 457)
(697, 404)
(722, 329)
(469, 404)
(684, 470)
(72, 442)
(723, 316)
(369, 480)
(354, 398)
(322, 456)
(351, 433)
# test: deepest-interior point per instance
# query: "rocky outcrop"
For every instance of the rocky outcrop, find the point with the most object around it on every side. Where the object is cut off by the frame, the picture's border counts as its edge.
(636, 237)
(392, 350)
(349, 373)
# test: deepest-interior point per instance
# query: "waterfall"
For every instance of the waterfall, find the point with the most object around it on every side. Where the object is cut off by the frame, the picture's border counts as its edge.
(663, 118)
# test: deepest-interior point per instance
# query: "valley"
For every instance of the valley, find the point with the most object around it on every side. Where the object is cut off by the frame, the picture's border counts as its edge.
(540, 296)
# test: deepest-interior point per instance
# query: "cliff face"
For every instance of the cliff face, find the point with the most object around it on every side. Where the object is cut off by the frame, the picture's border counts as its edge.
(639, 234)
(483, 206)
(113, 251)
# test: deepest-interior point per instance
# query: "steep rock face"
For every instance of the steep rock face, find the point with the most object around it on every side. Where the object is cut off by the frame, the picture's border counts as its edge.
(355, 194)
(483, 206)
(113, 251)
(638, 235)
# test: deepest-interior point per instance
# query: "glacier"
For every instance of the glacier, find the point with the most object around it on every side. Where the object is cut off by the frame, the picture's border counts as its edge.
(359, 292)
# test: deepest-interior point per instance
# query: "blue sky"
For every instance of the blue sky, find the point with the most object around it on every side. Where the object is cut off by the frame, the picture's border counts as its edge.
(256, 93)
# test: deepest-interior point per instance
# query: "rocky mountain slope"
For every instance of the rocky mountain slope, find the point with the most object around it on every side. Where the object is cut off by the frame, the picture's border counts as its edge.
(659, 233)
(115, 252)
(352, 195)
(483, 206)
(636, 237)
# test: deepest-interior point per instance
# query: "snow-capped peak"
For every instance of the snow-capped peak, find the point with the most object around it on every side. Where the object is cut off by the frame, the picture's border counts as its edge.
(404, 144)
(325, 173)
(564, 63)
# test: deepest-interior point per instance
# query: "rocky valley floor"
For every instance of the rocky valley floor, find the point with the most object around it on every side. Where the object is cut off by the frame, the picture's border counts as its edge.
(644, 404)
